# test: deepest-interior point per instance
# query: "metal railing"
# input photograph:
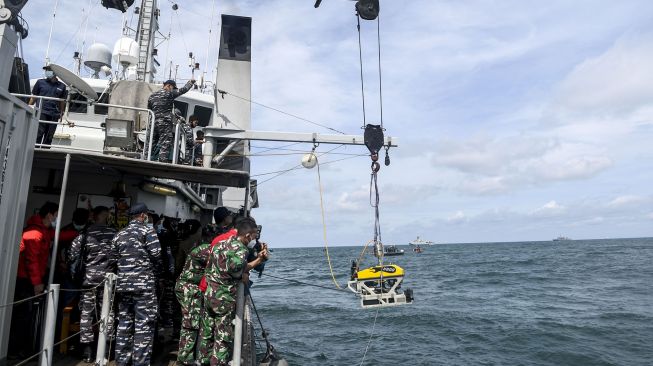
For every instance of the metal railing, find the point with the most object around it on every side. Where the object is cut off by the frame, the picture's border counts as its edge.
(48, 345)
(149, 131)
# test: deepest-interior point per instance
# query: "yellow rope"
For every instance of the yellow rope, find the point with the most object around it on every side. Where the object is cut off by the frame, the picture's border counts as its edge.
(324, 228)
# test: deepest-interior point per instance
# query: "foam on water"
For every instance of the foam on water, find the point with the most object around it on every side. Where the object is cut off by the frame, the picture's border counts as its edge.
(535, 303)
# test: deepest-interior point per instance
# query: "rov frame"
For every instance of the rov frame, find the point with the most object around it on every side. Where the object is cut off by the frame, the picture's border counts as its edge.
(378, 286)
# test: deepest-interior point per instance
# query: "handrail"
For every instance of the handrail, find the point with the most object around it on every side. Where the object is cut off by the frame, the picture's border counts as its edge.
(238, 327)
(48, 344)
(147, 127)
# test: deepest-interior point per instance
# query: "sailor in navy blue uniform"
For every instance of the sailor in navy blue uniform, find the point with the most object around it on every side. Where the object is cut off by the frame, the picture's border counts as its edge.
(51, 110)
(140, 267)
(161, 102)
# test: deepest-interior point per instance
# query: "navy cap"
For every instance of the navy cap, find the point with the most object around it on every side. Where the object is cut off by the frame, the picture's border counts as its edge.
(171, 82)
(138, 208)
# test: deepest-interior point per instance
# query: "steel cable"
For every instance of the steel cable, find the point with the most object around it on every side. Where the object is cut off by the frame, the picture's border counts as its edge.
(24, 300)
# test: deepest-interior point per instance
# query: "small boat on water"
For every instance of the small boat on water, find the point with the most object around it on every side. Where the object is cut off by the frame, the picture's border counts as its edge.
(562, 238)
(420, 241)
(418, 249)
(392, 250)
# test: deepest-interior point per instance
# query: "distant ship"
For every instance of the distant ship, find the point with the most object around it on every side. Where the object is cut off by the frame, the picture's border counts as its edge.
(562, 238)
(419, 241)
(392, 250)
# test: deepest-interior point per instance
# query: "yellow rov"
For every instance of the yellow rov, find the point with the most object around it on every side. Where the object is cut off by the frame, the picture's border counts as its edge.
(379, 286)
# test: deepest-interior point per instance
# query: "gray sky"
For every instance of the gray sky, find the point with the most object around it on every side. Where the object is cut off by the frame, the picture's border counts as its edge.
(517, 120)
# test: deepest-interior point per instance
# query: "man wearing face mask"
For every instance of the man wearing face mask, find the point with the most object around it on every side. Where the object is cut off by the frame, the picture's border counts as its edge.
(66, 236)
(161, 102)
(139, 268)
(227, 266)
(51, 110)
(32, 273)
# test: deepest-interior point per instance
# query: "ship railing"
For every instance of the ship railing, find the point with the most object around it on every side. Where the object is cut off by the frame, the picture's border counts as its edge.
(244, 347)
(146, 154)
(104, 320)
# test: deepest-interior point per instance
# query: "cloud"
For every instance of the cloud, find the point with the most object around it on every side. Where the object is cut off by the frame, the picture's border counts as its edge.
(457, 218)
(549, 209)
(496, 165)
(627, 200)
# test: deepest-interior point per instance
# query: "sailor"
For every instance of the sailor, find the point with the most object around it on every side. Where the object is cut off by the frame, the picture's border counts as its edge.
(32, 274)
(168, 239)
(198, 157)
(51, 110)
(139, 266)
(227, 266)
(187, 130)
(190, 298)
(161, 102)
(96, 249)
(223, 220)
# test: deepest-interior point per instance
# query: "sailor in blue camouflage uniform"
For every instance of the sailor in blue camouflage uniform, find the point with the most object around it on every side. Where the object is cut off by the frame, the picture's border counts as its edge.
(139, 268)
(99, 254)
(161, 102)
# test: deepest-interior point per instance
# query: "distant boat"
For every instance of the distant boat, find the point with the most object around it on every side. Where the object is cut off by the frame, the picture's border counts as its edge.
(419, 241)
(392, 250)
(562, 238)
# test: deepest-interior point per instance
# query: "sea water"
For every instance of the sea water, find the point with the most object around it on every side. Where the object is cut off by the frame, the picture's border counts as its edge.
(528, 303)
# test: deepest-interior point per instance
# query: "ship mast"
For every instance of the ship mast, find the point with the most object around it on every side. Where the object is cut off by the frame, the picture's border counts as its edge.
(148, 25)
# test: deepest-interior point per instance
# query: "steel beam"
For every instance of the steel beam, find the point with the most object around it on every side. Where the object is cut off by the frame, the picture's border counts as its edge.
(227, 134)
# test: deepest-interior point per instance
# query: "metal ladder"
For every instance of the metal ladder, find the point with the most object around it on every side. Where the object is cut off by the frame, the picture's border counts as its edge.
(145, 32)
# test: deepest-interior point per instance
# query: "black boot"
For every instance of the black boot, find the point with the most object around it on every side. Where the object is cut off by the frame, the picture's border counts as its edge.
(87, 355)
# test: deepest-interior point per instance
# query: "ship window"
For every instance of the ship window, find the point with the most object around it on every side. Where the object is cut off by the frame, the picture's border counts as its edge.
(182, 106)
(77, 107)
(102, 109)
(203, 115)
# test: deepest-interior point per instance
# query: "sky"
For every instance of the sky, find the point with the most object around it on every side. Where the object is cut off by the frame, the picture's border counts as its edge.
(516, 120)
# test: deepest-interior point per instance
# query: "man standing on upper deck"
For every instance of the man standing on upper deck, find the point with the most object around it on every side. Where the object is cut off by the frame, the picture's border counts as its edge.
(161, 102)
(51, 110)
(139, 267)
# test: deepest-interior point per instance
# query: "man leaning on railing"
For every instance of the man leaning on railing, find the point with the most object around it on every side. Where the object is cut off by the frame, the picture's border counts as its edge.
(51, 110)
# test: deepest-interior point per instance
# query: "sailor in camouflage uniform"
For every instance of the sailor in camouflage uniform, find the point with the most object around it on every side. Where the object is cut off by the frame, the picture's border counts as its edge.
(161, 102)
(139, 267)
(227, 266)
(189, 141)
(99, 256)
(189, 296)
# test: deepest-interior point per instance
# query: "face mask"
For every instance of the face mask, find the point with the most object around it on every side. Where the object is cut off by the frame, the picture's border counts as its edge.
(49, 74)
(53, 223)
(146, 220)
(78, 227)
